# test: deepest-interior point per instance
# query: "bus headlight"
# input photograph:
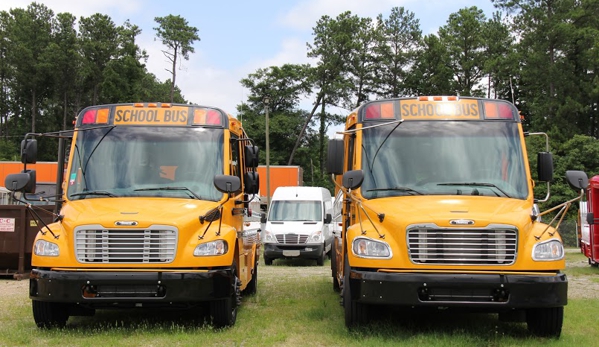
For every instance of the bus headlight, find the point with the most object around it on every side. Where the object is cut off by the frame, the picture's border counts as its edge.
(46, 249)
(369, 248)
(548, 251)
(218, 247)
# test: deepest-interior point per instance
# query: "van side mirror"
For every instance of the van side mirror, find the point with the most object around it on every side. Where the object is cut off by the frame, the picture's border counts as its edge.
(335, 157)
(29, 151)
(263, 218)
(545, 166)
(227, 183)
(590, 218)
(577, 179)
(328, 218)
(353, 179)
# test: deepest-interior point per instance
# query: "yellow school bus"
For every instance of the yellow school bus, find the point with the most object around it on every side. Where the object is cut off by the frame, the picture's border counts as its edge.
(151, 214)
(436, 211)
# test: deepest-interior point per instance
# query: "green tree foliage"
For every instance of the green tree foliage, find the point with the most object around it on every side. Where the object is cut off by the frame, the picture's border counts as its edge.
(178, 36)
(396, 52)
(463, 35)
(51, 67)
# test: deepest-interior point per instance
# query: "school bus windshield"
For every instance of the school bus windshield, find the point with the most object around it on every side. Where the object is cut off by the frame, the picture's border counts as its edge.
(446, 157)
(146, 161)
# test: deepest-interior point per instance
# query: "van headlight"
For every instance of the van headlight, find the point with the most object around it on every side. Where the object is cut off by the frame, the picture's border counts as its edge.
(218, 247)
(369, 248)
(548, 250)
(46, 249)
(268, 237)
(316, 237)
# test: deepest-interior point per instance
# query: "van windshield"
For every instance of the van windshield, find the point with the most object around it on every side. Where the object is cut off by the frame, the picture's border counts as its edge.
(295, 211)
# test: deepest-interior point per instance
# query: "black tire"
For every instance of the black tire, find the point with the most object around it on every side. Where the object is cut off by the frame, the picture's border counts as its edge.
(48, 315)
(336, 286)
(355, 313)
(224, 311)
(320, 260)
(545, 322)
(252, 286)
(267, 261)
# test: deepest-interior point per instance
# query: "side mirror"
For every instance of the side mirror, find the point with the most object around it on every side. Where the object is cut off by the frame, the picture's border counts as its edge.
(227, 183)
(252, 182)
(590, 218)
(335, 157)
(328, 218)
(22, 182)
(251, 154)
(577, 179)
(353, 179)
(263, 218)
(545, 166)
(29, 151)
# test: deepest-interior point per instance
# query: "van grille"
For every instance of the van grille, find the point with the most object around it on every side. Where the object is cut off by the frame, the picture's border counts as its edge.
(494, 246)
(292, 239)
(129, 246)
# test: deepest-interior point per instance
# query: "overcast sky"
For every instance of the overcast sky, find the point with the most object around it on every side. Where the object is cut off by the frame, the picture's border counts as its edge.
(240, 36)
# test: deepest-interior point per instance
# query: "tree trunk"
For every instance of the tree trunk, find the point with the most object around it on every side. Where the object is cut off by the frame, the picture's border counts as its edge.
(174, 75)
(299, 137)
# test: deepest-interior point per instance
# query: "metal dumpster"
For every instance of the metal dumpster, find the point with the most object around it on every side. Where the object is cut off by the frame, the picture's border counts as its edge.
(18, 227)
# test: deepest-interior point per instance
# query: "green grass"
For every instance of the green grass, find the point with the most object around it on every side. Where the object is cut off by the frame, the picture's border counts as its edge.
(296, 311)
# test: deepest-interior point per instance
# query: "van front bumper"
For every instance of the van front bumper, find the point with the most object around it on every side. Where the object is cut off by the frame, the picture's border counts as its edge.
(104, 289)
(306, 251)
(460, 290)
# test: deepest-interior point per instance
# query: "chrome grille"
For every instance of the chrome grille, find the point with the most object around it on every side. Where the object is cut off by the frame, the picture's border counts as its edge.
(292, 239)
(493, 246)
(129, 246)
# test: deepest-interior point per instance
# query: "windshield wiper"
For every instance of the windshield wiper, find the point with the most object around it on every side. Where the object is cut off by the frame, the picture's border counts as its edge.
(192, 193)
(94, 192)
(401, 189)
(476, 184)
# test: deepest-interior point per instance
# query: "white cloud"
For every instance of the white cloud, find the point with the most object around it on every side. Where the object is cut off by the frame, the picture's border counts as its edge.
(306, 13)
(80, 8)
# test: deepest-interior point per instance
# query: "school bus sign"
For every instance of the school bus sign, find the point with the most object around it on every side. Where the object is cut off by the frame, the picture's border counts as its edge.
(129, 115)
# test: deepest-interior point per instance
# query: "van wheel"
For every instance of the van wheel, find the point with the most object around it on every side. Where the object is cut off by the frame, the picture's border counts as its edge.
(545, 322)
(355, 313)
(224, 311)
(320, 260)
(267, 261)
(50, 315)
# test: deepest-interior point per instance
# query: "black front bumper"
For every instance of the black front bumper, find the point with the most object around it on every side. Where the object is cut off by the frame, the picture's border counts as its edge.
(305, 251)
(135, 289)
(459, 290)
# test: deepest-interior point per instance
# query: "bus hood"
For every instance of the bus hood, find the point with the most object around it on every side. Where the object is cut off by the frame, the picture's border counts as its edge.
(452, 211)
(111, 212)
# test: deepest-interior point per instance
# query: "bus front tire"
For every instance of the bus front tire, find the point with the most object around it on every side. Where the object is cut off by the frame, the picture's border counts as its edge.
(545, 322)
(50, 315)
(355, 313)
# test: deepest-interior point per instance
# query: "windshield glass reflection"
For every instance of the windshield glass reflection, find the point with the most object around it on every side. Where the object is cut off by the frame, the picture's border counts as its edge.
(139, 161)
(450, 158)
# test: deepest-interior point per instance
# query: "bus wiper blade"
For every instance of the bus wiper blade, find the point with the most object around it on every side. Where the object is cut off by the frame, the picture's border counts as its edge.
(401, 189)
(192, 193)
(94, 192)
(476, 184)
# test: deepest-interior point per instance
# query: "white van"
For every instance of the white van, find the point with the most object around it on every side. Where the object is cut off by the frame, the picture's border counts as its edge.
(298, 224)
